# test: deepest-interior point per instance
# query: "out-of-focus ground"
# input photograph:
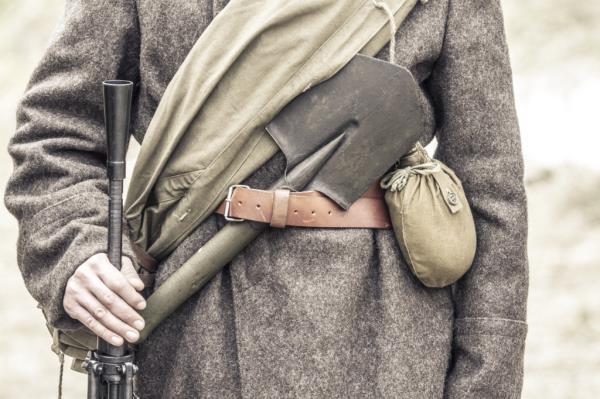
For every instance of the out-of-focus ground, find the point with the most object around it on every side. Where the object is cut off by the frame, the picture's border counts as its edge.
(555, 52)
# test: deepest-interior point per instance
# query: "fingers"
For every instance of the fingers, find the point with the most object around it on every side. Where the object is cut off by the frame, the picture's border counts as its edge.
(102, 298)
(111, 312)
(116, 282)
(108, 319)
(130, 274)
(77, 312)
(114, 303)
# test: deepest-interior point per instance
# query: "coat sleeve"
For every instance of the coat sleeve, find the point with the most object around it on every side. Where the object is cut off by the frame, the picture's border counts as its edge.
(58, 189)
(478, 136)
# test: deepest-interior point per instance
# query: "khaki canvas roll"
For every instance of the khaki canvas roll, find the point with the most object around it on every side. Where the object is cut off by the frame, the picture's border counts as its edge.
(208, 130)
(432, 219)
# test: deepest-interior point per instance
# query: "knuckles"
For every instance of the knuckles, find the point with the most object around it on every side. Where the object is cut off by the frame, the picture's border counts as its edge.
(71, 288)
(97, 263)
(69, 307)
(118, 285)
(86, 277)
(84, 273)
(100, 313)
(98, 258)
(90, 322)
(81, 274)
(109, 298)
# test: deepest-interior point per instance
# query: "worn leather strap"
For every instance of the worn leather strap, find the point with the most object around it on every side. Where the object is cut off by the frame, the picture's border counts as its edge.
(281, 201)
(148, 266)
(148, 263)
(282, 208)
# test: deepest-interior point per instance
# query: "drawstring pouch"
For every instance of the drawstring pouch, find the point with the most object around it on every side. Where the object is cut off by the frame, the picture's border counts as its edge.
(431, 218)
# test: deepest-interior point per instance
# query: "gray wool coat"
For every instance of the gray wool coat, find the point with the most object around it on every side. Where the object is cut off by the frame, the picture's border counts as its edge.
(306, 313)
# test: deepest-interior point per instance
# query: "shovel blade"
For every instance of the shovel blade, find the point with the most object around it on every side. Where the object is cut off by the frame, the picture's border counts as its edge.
(373, 105)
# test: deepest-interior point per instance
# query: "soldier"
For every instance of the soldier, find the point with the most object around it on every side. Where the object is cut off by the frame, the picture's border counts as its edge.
(302, 312)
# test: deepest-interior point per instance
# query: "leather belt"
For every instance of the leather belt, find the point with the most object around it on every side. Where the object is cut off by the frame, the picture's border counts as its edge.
(283, 207)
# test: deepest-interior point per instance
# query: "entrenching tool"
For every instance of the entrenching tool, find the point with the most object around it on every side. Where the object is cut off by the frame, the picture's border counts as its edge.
(110, 368)
(338, 138)
(373, 105)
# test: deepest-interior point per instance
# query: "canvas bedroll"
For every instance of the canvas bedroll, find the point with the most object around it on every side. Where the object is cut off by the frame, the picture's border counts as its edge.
(208, 130)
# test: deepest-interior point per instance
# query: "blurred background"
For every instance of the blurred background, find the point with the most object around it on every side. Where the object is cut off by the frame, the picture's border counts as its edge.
(555, 53)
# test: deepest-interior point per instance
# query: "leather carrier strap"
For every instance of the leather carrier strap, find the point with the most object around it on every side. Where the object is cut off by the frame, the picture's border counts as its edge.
(282, 207)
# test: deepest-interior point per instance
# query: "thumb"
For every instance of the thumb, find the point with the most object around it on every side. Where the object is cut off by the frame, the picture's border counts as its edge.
(130, 274)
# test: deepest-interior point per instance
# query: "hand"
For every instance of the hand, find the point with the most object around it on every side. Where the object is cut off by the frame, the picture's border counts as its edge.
(104, 298)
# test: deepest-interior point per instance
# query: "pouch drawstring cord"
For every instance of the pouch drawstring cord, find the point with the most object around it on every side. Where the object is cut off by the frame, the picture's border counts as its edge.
(392, 24)
(393, 27)
(397, 180)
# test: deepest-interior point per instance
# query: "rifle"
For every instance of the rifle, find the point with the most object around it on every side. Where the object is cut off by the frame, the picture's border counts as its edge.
(110, 368)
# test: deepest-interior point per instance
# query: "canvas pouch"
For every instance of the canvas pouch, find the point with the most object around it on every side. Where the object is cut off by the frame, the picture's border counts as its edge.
(74, 343)
(431, 217)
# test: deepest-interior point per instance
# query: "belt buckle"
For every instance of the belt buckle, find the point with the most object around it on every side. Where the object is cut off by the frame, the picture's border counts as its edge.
(228, 203)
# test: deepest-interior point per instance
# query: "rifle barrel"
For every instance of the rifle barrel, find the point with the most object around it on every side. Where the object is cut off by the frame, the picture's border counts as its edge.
(117, 108)
(111, 368)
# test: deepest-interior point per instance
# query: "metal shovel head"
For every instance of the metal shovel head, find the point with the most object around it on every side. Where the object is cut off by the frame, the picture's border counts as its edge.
(370, 105)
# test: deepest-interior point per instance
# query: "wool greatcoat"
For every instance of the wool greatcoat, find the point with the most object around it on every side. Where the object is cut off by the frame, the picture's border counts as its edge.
(302, 312)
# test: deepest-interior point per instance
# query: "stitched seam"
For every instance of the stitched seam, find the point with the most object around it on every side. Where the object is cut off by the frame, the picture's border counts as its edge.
(515, 336)
(172, 199)
(180, 174)
(492, 318)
